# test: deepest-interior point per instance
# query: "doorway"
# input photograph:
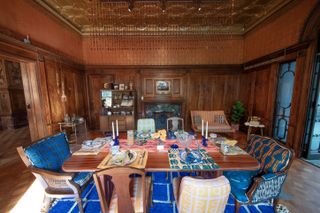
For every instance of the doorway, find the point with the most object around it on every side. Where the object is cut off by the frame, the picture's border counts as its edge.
(311, 149)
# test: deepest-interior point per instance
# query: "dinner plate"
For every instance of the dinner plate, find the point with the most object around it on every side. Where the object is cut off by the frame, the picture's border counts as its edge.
(124, 158)
(196, 158)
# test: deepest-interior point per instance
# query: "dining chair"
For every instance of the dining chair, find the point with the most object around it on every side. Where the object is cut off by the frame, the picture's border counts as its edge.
(146, 125)
(175, 124)
(263, 185)
(198, 195)
(123, 190)
(44, 159)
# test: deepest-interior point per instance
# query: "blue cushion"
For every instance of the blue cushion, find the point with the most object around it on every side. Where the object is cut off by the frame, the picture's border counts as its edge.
(49, 153)
(240, 181)
(82, 177)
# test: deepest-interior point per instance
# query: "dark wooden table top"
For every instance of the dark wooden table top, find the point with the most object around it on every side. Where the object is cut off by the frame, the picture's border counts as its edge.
(158, 161)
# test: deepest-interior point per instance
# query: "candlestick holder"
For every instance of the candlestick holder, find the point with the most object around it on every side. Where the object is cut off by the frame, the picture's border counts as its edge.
(204, 141)
(116, 141)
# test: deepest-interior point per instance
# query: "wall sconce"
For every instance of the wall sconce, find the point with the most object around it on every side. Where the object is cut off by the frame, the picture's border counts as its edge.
(163, 6)
(131, 5)
(198, 5)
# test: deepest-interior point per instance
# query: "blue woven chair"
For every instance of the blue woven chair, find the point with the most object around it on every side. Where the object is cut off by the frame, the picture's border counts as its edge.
(44, 159)
(249, 187)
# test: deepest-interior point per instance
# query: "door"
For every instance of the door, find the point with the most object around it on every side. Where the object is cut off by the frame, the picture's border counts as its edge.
(311, 149)
(283, 100)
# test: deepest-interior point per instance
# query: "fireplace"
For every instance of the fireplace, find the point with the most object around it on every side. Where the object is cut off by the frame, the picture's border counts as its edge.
(160, 112)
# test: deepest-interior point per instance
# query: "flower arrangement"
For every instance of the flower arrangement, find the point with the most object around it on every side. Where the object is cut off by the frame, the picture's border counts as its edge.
(161, 135)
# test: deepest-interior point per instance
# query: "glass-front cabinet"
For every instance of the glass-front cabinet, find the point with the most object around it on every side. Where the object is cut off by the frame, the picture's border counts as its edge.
(118, 105)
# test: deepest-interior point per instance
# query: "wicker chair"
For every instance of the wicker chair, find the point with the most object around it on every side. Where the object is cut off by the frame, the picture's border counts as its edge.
(250, 187)
(44, 159)
(217, 121)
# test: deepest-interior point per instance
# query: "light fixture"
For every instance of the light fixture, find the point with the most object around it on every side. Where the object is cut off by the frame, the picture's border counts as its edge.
(198, 5)
(163, 6)
(131, 5)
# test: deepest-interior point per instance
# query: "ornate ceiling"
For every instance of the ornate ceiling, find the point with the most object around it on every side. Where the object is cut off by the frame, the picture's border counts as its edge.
(105, 17)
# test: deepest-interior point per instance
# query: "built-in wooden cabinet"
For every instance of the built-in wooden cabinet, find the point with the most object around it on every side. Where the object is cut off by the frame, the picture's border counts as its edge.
(118, 105)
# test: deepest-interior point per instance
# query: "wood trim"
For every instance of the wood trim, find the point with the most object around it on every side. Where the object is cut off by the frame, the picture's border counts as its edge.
(276, 56)
(311, 27)
(183, 68)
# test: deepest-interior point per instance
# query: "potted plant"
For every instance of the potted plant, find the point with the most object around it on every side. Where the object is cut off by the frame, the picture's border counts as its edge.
(237, 113)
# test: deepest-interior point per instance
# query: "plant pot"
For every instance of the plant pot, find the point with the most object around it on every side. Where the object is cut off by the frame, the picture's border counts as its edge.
(235, 126)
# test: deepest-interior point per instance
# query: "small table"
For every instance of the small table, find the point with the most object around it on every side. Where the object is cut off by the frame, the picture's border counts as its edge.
(251, 126)
(75, 129)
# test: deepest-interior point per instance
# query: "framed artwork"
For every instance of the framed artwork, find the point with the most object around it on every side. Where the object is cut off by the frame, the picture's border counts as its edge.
(163, 87)
(121, 86)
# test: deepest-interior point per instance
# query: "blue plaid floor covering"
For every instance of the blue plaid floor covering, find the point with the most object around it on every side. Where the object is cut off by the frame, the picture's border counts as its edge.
(162, 197)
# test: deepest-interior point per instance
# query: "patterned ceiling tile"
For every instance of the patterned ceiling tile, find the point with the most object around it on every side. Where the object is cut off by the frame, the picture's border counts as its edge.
(113, 17)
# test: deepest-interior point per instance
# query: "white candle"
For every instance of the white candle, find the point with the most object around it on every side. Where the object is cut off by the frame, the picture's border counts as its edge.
(113, 130)
(202, 127)
(117, 128)
(207, 130)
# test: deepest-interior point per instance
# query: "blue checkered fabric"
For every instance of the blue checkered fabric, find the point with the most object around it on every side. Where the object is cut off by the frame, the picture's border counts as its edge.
(49, 153)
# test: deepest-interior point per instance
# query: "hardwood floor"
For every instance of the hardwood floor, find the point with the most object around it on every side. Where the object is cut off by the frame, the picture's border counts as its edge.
(14, 176)
(300, 192)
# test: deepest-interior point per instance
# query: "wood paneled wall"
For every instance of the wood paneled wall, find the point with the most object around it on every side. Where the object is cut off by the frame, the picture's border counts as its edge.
(61, 78)
(209, 88)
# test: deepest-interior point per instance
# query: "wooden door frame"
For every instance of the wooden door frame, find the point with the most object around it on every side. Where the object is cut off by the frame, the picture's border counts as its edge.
(29, 64)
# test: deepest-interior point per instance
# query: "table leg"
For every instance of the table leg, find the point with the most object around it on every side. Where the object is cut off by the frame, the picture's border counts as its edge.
(249, 132)
(261, 131)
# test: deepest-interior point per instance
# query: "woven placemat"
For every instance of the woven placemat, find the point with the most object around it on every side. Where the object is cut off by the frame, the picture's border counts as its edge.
(139, 163)
(176, 162)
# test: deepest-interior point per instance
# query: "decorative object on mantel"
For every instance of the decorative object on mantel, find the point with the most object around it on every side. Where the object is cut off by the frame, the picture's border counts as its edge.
(163, 87)
(26, 40)
(254, 122)
(237, 113)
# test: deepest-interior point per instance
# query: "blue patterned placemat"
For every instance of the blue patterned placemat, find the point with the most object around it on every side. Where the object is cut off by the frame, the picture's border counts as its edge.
(206, 163)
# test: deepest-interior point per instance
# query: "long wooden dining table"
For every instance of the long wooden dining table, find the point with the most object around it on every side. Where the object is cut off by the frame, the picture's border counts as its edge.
(158, 161)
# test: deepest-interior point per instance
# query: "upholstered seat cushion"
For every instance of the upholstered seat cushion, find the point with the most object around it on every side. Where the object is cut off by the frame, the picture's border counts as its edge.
(49, 153)
(82, 178)
(240, 182)
(137, 200)
(272, 156)
(201, 195)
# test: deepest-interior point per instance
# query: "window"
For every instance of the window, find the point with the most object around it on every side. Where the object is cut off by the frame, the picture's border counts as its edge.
(283, 101)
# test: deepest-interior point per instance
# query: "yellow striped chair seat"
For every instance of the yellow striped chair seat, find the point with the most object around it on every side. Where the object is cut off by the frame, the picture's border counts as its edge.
(201, 195)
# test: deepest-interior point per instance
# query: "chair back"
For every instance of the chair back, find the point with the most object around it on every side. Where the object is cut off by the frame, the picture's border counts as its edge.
(203, 195)
(48, 153)
(146, 125)
(273, 156)
(121, 181)
(174, 124)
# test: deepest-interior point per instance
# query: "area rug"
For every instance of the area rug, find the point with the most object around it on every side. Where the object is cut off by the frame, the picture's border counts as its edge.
(162, 197)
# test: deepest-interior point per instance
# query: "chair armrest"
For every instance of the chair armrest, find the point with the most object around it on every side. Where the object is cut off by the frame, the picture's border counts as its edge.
(52, 175)
(266, 187)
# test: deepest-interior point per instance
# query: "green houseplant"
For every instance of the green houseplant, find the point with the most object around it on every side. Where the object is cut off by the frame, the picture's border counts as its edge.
(237, 113)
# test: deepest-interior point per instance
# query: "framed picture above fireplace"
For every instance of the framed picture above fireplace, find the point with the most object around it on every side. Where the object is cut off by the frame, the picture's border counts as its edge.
(163, 87)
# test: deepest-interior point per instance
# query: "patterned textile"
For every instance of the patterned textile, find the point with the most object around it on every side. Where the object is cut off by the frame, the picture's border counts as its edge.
(137, 200)
(151, 146)
(203, 195)
(269, 188)
(82, 177)
(176, 163)
(272, 157)
(49, 153)
(240, 182)
(163, 199)
(146, 125)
